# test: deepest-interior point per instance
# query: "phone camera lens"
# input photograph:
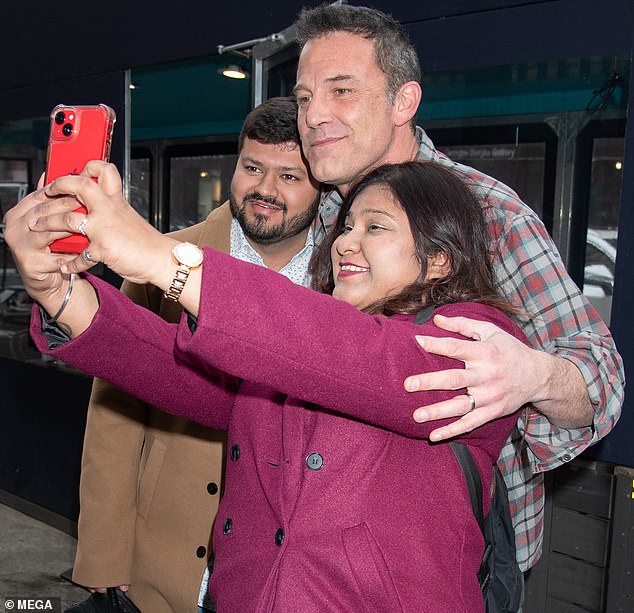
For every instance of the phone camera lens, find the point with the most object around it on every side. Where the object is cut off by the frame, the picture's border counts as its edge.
(60, 117)
(67, 130)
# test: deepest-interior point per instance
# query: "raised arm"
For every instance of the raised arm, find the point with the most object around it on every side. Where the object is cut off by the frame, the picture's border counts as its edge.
(133, 348)
(121, 342)
(356, 365)
(258, 326)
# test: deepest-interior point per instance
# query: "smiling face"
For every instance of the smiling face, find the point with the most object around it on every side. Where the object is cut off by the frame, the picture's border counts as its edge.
(272, 195)
(346, 124)
(375, 256)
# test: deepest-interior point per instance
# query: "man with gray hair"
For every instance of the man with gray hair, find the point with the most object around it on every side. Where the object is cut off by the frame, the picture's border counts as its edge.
(358, 92)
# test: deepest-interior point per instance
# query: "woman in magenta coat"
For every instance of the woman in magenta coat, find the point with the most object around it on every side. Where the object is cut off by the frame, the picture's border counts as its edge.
(335, 498)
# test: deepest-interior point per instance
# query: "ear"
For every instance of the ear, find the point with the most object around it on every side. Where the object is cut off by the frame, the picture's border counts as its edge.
(438, 265)
(406, 102)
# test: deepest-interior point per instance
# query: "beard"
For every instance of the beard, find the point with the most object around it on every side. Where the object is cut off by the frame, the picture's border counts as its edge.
(260, 228)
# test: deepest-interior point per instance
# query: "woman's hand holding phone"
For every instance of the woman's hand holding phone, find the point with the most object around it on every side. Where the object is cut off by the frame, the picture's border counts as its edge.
(77, 134)
(119, 236)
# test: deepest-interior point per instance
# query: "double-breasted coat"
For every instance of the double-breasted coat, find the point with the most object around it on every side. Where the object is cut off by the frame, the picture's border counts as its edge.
(334, 499)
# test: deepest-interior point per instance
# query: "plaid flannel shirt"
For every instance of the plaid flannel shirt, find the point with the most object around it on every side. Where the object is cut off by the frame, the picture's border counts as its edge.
(530, 271)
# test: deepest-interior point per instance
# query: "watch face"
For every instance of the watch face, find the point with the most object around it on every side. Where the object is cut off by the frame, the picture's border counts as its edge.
(188, 254)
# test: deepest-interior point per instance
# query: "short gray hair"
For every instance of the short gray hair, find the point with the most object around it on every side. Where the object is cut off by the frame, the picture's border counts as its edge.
(394, 51)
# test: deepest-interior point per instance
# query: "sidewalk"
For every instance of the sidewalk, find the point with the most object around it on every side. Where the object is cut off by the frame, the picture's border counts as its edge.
(32, 557)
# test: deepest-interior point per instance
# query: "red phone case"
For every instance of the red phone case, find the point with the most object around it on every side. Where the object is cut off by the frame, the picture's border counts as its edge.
(78, 134)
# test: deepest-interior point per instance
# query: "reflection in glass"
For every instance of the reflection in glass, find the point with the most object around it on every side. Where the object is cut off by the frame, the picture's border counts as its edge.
(465, 111)
(520, 166)
(15, 304)
(198, 184)
(23, 145)
(603, 219)
(14, 170)
(140, 185)
(22, 153)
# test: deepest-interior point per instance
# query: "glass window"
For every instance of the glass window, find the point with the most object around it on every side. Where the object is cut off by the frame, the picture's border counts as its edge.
(553, 131)
(603, 219)
(521, 153)
(198, 184)
(141, 185)
(22, 154)
(520, 166)
(14, 170)
(23, 145)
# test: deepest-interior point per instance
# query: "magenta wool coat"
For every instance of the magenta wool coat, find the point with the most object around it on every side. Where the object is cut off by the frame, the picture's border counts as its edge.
(334, 499)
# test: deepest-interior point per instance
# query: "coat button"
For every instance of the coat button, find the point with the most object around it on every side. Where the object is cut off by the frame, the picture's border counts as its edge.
(279, 537)
(201, 552)
(212, 488)
(314, 461)
(226, 529)
(235, 452)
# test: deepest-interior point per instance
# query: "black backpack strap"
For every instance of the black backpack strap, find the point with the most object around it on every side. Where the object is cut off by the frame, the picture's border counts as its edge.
(474, 483)
(474, 486)
(472, 476)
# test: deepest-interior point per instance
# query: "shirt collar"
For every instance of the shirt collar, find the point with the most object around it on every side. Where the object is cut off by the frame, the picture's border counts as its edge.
(296, 270)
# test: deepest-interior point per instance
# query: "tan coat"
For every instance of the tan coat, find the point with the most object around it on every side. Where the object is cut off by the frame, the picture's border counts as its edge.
(150, 482)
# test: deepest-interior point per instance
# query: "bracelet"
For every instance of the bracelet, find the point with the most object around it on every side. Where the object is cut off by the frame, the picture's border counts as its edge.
(69, 291)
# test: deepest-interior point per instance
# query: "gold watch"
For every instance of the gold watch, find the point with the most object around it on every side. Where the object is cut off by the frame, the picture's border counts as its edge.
(188, 257)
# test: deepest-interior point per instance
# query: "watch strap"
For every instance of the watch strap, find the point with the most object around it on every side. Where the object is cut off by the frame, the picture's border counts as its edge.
(178, 283)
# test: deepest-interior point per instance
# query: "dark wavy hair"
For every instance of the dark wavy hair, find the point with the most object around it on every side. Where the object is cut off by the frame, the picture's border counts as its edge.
(274, 122)
(445, 217)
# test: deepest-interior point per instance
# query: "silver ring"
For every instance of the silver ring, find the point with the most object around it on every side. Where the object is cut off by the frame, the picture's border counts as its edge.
(87, 256)
(472, 402)
(81, 228)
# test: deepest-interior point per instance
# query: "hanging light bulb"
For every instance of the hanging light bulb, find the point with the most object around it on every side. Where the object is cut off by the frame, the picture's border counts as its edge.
(233, 72)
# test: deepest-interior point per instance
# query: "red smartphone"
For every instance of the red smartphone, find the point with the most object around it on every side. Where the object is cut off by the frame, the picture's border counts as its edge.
(78, 134)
